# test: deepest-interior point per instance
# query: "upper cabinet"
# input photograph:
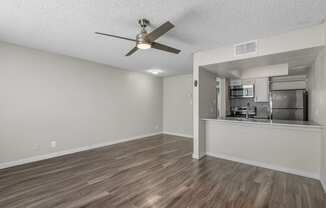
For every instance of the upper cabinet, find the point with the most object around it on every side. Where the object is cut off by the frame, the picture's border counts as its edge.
(262, 90)
(294, 82)
(248, 82)
(238, 82)
(235, 82)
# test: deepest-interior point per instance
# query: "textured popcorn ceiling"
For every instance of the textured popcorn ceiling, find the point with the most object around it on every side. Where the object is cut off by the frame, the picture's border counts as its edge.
(67, 26)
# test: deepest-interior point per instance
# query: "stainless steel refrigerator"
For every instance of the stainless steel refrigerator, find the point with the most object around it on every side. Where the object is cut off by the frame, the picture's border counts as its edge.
(289, 105)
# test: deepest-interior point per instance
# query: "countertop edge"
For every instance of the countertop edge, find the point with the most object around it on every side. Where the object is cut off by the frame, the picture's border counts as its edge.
(310, 126)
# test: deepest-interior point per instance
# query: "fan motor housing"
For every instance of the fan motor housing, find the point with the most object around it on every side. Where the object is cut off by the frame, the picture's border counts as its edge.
(141, 37)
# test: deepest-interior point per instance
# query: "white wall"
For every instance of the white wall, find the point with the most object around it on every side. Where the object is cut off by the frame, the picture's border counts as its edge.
(288, 148)
(206, 109)
(45, 97)
(317, 87)
(295, 40)
(177, 105)
(323, 105)
(265, 71)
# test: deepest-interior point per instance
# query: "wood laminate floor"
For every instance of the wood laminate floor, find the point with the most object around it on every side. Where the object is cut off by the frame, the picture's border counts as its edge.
(152, 172)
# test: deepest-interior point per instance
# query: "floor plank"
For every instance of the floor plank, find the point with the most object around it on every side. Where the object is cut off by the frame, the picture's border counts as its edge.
(155, 172)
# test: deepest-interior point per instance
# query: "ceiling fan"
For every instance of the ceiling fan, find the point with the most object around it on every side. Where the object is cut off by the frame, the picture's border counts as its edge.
(145, 40)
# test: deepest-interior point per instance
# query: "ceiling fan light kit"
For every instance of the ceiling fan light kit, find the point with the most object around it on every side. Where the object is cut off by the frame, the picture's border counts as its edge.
(145, 40)
(143, 46)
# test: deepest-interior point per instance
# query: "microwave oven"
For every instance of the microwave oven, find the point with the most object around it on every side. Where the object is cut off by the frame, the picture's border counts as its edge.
(242, 91)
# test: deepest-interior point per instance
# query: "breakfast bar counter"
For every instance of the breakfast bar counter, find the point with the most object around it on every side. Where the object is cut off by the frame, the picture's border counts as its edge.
(282, 123)
(288, 146)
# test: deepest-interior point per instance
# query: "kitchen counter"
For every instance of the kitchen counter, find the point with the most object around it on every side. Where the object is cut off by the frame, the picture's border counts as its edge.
(288, 146)
(286, 123)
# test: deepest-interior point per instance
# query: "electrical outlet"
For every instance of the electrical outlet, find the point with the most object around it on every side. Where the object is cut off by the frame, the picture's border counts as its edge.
(53, 144)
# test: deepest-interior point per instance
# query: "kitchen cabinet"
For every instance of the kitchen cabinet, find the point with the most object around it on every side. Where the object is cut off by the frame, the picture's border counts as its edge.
(289, 82)
(262, 90)
(248, 82)
(237, 82)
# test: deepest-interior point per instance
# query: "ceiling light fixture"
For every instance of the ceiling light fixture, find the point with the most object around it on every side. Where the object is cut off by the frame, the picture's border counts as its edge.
(155, 71)
(143, 46)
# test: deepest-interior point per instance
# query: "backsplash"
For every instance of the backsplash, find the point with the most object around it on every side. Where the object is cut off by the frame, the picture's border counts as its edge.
(262, 107)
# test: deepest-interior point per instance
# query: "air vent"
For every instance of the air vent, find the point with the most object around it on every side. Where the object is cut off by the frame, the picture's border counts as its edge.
(245, 48)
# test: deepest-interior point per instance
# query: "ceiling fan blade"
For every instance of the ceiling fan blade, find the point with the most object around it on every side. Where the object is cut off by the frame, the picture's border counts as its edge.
(161, 30)
(132, 51)
(165, 48)
(115, 36)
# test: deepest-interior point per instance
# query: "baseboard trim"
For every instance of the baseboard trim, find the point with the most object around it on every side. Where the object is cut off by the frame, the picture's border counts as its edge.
(195, 156)
(198, 156)
(70, 151)
(265, 165)
(178, 134)
(323, 184)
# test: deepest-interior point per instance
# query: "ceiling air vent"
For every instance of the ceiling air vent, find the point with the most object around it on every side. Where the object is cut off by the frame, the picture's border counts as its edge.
(246, 48)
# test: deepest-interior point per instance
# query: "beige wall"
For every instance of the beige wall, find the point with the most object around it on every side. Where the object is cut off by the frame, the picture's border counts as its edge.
(46, 97)
(177, 105)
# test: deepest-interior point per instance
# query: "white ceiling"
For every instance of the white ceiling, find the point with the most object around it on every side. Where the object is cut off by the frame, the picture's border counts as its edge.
(68, 26)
